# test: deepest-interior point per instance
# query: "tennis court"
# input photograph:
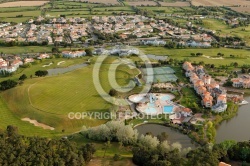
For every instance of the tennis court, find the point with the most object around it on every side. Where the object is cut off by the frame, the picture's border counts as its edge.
(161, 74)
(159, 70)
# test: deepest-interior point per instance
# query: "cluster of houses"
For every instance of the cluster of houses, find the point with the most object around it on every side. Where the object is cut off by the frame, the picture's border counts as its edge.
(12, 63)
(71, 30)
(212, 95)
(51, 32)
(128, 25)
(243, 82)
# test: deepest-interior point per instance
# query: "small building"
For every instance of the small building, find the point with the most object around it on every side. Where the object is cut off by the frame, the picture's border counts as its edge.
(74, 54)
(43, 56)
(207, 101)
(28, 60)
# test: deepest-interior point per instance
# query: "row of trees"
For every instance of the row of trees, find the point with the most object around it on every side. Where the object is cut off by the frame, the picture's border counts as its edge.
(22, 150)
(112, 131)
(7, 84)
(15, 43)
(41, 73)
(207, 155)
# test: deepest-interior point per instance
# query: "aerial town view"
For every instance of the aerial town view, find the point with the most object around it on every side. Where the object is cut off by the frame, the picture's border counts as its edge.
(125, 82)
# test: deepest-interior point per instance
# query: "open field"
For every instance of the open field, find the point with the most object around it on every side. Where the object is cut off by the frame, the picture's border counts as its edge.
(18, 9)
(9, 118)
(224, 30)
(24, 13)
(219, 2)
(28, 49)
(176, 4)
(23, 3)
(142, 3)
(242, 9)
(165, 9)
(15, 19)
(113, 2)
(184, 54)
(49, 100)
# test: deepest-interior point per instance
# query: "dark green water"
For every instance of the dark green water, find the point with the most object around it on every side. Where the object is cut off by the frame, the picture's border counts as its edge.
(237, 128)
(173, 135)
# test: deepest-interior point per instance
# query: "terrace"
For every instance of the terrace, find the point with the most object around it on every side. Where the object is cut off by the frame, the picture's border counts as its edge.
(154, 103)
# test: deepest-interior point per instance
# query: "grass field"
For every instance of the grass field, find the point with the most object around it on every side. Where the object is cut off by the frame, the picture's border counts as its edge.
(28, 49)
(15, 19)
(24, 13)
(224, 30)
(9, 118)
(181, 54)
(18, 9)
(177, 4)
(49, 100)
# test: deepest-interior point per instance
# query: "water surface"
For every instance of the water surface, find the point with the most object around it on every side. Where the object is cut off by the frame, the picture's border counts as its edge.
(237, 128)
(57, 71)
(173, 135)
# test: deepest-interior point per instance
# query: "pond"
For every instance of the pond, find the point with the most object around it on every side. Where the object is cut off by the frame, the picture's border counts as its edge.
(57, 71)
(173, 135)
(236, 128)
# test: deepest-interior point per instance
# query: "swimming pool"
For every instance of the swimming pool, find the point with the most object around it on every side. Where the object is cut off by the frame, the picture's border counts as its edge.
(150, 111)
(166, 97)
(168, 109)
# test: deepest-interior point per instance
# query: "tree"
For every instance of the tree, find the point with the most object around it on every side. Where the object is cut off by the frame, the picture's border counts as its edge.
(162, 137)
(55, 50)
(106, 146)
(149, 141)
(202, 156)
(88, 51)
(235, 64)
(88, 151)
(23, 77)
(41, 73)
(7, 84)
(113, 92)
(22, 150)
(117, 157)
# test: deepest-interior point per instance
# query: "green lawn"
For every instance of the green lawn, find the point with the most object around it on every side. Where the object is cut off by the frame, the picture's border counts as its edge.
(24, 13)
(49, 99)
(184, 54)
(67, 13)
(16, 19)
(25, 49)
(224, 30)
(10, 118)
(189, 97)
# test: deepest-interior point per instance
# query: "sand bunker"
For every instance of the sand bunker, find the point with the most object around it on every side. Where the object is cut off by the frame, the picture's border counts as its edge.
(60, 62)
(35, 123)
(23, 3)
(208, 57)
(47, 65)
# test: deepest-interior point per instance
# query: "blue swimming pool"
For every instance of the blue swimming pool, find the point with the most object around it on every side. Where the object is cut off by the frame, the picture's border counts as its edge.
(168, 109)
(164, 98)
(150, 111)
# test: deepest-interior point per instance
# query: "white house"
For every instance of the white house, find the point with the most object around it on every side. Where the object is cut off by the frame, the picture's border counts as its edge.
(43, 56)
(69, 54)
